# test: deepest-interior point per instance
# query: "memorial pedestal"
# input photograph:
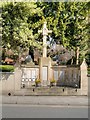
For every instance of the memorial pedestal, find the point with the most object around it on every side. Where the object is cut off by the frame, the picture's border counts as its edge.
(45, 70)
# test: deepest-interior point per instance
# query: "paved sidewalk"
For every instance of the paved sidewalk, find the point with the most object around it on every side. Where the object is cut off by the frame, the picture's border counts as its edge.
(46, 100)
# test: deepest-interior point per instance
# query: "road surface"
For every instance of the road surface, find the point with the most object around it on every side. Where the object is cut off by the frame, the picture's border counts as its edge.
(44, 106)
(43, 111)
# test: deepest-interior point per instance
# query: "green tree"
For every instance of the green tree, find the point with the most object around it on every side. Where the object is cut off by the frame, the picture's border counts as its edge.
(67, 20)
(69, 23)
(17, 31)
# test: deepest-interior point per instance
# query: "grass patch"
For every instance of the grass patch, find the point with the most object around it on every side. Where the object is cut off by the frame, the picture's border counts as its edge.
(6, 68)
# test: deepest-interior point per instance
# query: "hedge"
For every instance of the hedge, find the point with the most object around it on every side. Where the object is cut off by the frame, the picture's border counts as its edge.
(6, 68)
(88, 70)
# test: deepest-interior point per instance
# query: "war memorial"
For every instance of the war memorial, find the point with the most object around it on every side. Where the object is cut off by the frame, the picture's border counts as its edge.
(47, 78)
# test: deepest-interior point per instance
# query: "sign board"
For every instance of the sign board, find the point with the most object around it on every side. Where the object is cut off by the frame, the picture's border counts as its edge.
(29, 74)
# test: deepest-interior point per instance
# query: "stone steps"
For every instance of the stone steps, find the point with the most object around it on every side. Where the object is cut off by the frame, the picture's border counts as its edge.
(48, 91)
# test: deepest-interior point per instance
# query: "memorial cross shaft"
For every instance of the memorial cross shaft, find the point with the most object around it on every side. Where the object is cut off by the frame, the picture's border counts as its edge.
(45, 32)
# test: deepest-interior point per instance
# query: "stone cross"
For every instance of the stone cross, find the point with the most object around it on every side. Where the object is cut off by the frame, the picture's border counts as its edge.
(45, 32)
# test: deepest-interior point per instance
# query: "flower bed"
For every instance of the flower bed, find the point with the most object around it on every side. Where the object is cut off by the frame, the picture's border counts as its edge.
(52, 82)
(38, 82)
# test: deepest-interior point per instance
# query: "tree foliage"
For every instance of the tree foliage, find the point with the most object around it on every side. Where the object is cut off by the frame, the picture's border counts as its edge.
(16, 28)
(67, 20)
(69, 23)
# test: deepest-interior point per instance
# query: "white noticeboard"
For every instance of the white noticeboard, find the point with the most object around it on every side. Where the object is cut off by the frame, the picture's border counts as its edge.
(56, 75)
(29, 74)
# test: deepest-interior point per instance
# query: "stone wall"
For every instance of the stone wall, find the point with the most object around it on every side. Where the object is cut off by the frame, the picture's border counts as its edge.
(67, 76)
(10, 81)
(7, 82)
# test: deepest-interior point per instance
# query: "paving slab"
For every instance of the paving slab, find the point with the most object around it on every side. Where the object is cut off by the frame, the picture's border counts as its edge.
(46, 100)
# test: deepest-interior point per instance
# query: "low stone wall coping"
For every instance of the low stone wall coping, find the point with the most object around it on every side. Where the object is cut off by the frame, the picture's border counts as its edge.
(7, 72)
(25, 66)
(66, 66)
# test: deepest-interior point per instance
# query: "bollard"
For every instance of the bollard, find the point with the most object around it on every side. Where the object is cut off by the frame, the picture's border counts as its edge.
(63, 89)
(9, 94)
(33, 90)
(76, 90)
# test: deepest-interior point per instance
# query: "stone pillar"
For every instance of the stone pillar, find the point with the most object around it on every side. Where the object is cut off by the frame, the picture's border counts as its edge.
(84, 78)
(77, 56)
(17, 80)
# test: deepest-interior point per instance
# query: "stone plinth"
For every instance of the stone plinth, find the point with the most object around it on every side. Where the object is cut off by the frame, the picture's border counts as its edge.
(45, 70)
